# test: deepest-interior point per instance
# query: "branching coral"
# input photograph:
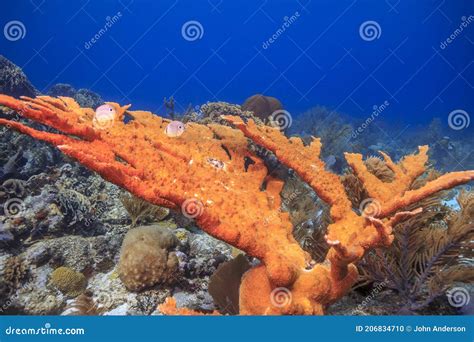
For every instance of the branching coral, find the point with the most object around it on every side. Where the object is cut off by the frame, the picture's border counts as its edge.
(233, 199)
(331, 127)
(350, 234)
(429, 250)
(16, 271)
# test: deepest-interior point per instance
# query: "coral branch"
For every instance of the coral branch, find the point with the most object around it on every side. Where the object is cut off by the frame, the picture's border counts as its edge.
(351, 235)
(393, 196)
(303, 159)
(409, 169)
(205, 172)
(205, 168)
(169, 308)
(444, 182)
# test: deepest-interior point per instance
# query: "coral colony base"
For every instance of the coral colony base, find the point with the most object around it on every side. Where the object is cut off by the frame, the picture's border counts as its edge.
(210, 173)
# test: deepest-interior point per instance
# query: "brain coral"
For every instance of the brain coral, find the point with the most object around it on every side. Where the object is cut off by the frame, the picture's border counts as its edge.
(68, 281)
(146, 259)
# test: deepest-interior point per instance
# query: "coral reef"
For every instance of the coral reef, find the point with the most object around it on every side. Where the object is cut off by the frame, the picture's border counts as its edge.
(147, 258)
(15, 272)
(238, 203)
(68, 281)
(84, 97)
(332, 128)
(212, 112)
(58, 202)
(13, 188)
(430, 253)
(347, 227)
(309, 216)
(13, 81)
(62, 89)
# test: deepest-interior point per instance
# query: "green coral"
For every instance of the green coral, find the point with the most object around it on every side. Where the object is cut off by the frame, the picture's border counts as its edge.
(68, 281)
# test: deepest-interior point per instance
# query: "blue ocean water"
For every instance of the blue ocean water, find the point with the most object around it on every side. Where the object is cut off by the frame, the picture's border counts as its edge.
(349, 55)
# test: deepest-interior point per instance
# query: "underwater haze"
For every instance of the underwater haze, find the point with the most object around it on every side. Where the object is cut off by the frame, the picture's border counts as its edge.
(246, 157)
(347, 55)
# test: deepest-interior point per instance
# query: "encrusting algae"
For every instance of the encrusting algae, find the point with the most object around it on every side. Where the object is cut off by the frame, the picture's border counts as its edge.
(230, 203)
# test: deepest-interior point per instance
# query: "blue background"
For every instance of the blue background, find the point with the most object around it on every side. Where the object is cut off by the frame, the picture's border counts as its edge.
(321, 59)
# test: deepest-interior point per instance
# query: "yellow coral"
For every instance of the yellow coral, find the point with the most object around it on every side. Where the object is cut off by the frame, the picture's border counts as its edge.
(181, 235)
(68, 281)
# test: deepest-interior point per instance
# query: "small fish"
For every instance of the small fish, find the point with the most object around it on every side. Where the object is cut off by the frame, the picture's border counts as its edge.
(216, 163)
(104, 116)
(174, 129)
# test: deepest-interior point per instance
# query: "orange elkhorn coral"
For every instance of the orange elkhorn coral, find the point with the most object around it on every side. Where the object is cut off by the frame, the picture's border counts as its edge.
(211, 175)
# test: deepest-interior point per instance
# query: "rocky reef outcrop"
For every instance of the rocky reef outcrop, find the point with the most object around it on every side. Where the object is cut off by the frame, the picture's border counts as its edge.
(13, 80)
(85, 97)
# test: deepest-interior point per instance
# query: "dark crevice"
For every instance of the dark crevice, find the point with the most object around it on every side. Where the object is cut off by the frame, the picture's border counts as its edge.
(120, 160)
(215, 136)
(247, 162)
(228, 153)
(127, 118)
